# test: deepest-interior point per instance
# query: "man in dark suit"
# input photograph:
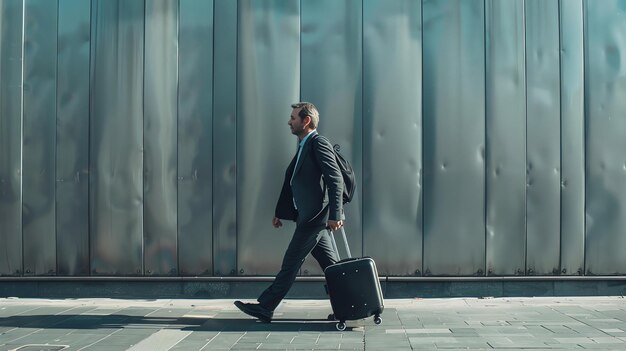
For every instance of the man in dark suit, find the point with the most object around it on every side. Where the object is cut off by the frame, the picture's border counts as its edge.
(312, 197)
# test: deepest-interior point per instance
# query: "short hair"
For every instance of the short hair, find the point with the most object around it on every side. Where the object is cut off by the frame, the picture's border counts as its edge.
(308, 109)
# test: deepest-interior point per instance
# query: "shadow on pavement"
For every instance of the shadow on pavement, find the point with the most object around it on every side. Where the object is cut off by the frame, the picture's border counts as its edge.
(117, 321)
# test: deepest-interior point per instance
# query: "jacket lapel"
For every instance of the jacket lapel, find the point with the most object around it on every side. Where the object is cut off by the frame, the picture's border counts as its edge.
(305, 150)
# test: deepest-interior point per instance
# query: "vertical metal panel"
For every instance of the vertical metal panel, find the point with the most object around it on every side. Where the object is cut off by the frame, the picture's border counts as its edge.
(267, 82)
(543, 137)
(605, 74)
(225, 138)
(195, 146)
(11, 136)
(72, 149)
(454, 136)
(506, 137)
(160, 138)
(331, 76)
(391, 186)
(572, 138)
(116, 137)
(39, 142)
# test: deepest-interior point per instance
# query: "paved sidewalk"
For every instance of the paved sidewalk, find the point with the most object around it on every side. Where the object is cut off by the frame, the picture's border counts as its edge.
(597, 323)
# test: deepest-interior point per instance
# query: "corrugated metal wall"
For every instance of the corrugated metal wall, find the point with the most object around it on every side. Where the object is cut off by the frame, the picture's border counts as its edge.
(149, 137)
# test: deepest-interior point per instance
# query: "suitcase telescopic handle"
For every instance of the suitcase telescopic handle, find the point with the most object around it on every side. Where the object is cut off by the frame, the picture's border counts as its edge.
(345, 241)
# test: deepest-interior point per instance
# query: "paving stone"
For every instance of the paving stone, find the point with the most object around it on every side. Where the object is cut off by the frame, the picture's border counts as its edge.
(574, 340)
(607, 340)
(188, 345)
(252, 337)
(376, 346)
(561, 330)
(128, 340)
(612, 330)
(163, 339)
(246, 346)
(106, 348)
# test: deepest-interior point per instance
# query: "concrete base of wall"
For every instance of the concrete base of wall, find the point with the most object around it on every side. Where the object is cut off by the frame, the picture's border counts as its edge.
(306, 288)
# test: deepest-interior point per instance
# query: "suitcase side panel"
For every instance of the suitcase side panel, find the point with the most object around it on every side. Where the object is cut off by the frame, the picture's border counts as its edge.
(354, 289)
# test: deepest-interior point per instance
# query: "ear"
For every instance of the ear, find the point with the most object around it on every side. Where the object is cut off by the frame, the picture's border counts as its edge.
(307, 121)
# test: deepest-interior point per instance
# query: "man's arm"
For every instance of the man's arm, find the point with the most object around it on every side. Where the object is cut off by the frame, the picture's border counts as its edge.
(332, 176)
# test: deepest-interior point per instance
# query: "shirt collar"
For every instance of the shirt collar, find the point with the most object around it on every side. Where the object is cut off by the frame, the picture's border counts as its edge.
(307, 137)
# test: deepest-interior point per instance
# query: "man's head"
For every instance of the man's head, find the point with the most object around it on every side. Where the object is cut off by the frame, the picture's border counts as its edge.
(304, 118)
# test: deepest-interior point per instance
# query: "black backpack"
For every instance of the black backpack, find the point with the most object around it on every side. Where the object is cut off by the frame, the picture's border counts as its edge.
(347, 173)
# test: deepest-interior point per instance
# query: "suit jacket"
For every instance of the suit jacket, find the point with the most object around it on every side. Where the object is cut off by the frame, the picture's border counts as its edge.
(316, 172)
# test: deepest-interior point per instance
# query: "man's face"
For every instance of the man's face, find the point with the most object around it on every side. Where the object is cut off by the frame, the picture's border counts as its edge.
(297, 124)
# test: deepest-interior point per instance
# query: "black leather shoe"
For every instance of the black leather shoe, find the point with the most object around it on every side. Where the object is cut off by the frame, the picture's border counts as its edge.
(255, 310)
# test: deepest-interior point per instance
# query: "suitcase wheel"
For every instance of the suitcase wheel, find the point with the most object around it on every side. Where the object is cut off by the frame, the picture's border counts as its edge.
(341, 326)
(377, 319)
(331, 317)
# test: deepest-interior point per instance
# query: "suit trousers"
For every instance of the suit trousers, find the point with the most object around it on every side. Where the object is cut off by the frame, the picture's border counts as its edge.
(305, 240)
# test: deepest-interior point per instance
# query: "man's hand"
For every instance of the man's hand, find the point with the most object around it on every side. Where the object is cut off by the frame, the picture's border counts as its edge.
(334, 225)
(277, 223)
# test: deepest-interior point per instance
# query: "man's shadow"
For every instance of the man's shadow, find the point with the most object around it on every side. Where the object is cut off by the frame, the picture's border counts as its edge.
(208, 323)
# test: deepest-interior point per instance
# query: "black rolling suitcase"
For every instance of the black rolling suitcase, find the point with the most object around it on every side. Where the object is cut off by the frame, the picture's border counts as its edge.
(353, 287)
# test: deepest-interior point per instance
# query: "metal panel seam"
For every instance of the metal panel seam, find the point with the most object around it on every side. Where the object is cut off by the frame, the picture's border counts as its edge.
(560, 137)
(178, 268)
(485, 139)
(362, 198)
(422, 131)
(212, 132)
(300, 51)
(22, 134)
(56, 118)
(585, 114)
(89, 256)
(525, 141)
(143, 146)
(236, 119)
